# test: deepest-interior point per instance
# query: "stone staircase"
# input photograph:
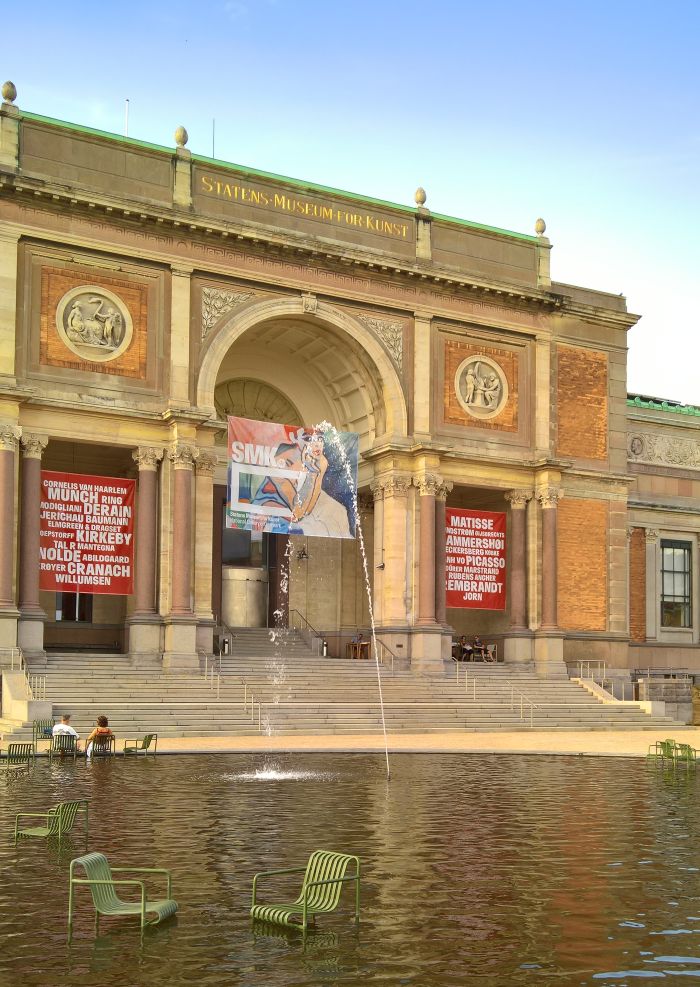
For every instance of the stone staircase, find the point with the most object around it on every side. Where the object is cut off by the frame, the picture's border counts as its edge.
(297, 692)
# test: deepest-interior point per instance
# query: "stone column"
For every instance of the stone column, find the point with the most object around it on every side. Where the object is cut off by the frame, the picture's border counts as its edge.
(203, 529)
(548, 498)
(653, 605)
(31, 625)
(428, 485)
(181, 625)
(378, 564)
(183, 458)
(147, 459)
(441, 553)
(395, 489)
(9, 437)
(517, 558)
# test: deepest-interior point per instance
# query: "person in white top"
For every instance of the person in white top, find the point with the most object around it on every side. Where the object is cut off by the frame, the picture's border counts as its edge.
(64, 727)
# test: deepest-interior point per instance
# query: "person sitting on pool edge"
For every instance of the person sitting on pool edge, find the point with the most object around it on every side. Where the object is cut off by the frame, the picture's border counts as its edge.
(64, 728)
(101, 730)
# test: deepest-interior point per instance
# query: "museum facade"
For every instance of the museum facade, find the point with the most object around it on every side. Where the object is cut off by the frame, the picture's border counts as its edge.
(147, 293)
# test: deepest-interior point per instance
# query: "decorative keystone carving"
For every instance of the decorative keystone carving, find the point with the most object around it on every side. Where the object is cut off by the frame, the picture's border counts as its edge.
(309, 303)
(147, 457)
(444, 489)
(206, 463)
(549, 497)
(651, 536)
(183, 457)
(217, 302)
(518, 499)
(33, 445)
(9, 437)
(390, 333)
(428, 484)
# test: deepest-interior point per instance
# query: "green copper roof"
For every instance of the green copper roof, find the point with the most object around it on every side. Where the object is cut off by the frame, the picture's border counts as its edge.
(658, 404)
(254, 172)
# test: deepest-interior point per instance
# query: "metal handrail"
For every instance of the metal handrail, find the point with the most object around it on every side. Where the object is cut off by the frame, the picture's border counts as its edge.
(383, 650)
(307, 624)
(307, 630)
(587, 664)
(212, 671)
(523, 699)
(34, 685)
(253, 703)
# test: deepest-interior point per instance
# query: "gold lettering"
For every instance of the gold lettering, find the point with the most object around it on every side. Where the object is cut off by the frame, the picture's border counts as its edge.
(280, 201)
(245, 194)
(206, 182)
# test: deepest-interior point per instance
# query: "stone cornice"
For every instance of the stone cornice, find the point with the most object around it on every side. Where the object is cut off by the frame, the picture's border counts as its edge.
(139, 214)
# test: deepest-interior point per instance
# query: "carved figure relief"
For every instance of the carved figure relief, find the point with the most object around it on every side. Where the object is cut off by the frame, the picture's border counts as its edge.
(481, 386)
(94, 323)
(663, 449)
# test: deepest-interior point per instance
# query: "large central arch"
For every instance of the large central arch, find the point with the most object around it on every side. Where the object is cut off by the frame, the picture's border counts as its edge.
(384, 389)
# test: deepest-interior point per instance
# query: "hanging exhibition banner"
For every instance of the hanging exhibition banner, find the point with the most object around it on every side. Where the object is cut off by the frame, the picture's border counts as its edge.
(475, 545)
(87, 533)
(288, 479)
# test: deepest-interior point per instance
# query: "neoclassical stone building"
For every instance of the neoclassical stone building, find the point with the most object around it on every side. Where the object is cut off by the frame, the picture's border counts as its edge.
(472, 379)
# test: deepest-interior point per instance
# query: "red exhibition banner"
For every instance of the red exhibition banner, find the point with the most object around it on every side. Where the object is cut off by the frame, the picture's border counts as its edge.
(475, 544)
(87, 533)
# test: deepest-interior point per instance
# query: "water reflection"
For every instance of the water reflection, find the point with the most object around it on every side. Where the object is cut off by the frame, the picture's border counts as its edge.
(496, 870)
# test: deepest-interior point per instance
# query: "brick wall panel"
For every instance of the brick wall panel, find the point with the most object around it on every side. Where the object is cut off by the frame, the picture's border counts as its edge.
(638, 580)
(582, 403)
(582, 564)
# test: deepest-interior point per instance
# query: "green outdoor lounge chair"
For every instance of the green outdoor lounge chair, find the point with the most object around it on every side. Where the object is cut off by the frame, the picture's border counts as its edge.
(684, 752)
(324, 876)
(20, 757)
(42, 730)
(102, 887)
(58, 821)
(103, 747)
(665, 750)
(143, 745)
(63, 745)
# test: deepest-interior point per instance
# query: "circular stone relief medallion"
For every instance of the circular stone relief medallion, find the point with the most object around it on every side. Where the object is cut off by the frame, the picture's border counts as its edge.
(94, 323)
(636, 446)
(481, 387)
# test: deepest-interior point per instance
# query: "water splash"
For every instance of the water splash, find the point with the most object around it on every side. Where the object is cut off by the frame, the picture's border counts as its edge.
(329, 429)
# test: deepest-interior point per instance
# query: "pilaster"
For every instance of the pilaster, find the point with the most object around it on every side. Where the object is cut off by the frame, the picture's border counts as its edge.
(180, 336)
(30, 630)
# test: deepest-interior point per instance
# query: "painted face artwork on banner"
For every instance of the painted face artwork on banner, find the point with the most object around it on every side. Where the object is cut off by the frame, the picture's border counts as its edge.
(87, 533)
(475, 546)
(288, 479)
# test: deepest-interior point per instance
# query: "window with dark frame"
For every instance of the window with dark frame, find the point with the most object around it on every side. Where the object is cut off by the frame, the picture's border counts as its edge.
(75, 607)
(676, 583)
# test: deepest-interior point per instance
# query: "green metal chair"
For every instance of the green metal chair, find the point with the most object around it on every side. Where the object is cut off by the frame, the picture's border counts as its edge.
(59, 820)
(142, 745)
(102, 887)
(20, 757)
(684, 752)
(63, 745)
(663, 750)
(324, 876)
(103, 747)
(42, 730)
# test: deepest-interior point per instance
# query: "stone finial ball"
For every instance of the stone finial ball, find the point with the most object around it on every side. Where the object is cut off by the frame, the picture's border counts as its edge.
(420, 196)
(9, 92)
(540, 226)
(181, 137)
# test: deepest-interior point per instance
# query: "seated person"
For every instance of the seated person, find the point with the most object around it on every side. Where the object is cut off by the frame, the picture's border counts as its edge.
(101, 730)
(64, 728)
(479, 648)
(358, 638)
(465, 649)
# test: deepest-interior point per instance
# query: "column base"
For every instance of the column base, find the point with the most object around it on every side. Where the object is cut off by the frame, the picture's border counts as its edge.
(427, 647)
(180, 652)
(145, 636)
(8, 633)
(205, 634)
(30, 633)
(549, 654)
(518, 647)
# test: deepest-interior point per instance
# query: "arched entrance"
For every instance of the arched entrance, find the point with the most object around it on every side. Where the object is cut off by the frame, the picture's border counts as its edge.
(276, 362)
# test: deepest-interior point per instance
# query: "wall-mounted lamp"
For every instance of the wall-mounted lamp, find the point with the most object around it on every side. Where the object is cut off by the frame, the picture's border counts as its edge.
(302, 554)
(380, 566)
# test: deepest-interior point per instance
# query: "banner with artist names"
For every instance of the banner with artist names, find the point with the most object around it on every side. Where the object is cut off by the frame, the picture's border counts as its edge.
(475, 548)
(289, 479)
(87, 533)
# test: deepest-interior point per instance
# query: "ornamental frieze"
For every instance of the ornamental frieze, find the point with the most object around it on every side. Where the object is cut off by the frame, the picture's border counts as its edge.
(217, 302)
(659, 449)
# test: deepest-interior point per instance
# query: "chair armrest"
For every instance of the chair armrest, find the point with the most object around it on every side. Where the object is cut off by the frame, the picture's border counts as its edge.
(42, 815)
(270, 873)
(146, 870)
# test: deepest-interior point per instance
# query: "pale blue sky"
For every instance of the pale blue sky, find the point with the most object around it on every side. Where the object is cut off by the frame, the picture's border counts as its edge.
(583, 113)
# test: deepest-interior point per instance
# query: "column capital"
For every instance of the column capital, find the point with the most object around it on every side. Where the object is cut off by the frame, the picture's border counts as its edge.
(651, 535)
(518, 499)
(443, 490)
(147, 457)
(428, 484)
(182, 456)
(549, 497)
(207, 462)
(33, 445)
(9, 437)
(391, 485)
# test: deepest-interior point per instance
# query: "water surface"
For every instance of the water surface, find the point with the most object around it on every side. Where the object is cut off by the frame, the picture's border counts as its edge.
(490, 870)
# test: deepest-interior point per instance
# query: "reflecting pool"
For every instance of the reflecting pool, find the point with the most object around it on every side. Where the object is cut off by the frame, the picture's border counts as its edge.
(476, 869)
